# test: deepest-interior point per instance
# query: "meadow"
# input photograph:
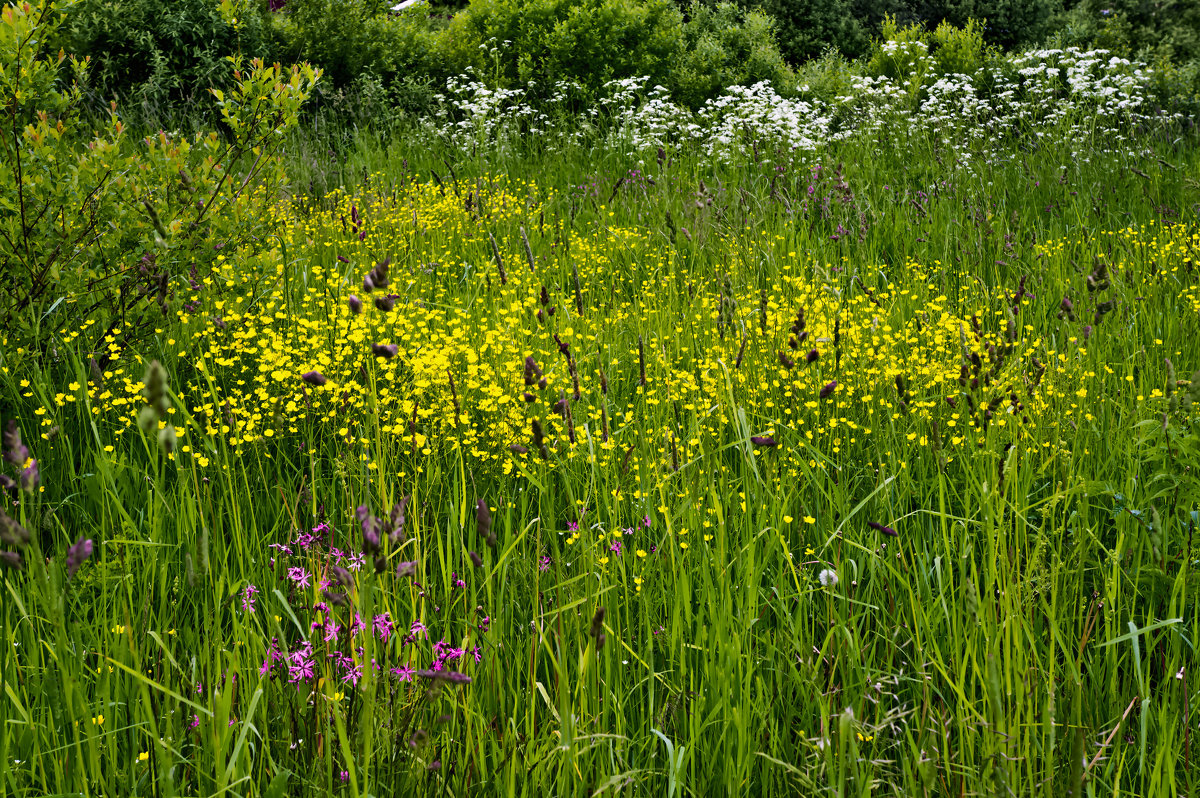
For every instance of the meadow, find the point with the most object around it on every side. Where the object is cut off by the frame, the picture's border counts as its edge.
(843, 444)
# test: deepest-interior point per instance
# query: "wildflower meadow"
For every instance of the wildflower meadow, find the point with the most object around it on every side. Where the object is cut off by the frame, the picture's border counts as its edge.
(841, 439)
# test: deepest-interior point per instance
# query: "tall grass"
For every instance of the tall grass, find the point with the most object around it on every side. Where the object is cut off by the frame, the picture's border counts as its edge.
(1028, 629)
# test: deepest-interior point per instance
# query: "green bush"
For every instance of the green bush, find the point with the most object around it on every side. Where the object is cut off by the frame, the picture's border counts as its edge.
(155, 54)
(351, 38)
(513, 42)
(902, 53)
(911, 54)
(826, 78)
(1007, 23)
(807, 28)
(724, 45)
(97, 226)
(607, 39)
(958, 50)
(1167, 30)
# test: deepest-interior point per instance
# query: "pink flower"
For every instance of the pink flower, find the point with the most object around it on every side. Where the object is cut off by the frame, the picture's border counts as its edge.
(352, 673)
(299, 576)
(248, 597)
(383, 626)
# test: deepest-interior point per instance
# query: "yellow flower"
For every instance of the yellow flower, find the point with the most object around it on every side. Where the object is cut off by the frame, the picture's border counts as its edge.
(98, 720)
(143, 756)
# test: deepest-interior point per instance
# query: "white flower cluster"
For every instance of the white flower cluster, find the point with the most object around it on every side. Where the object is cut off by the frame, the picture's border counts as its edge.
(1082, 96)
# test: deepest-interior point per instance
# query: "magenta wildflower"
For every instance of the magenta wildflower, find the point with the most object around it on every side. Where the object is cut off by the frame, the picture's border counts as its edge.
(352, 673)
(301, 666)
(383, 626)
(299, 576)
(248, 597)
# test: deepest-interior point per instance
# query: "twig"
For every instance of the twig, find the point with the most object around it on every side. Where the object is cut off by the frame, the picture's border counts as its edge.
(1111, 735)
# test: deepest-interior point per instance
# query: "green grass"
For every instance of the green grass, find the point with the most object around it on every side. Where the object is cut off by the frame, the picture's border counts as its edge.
(1028, 632)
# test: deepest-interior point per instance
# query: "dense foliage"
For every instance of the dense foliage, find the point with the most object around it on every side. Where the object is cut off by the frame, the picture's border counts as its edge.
(380, 63)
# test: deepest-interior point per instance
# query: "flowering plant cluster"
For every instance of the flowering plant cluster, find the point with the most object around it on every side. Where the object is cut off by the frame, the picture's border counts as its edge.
(338, 642)
(1096, 96)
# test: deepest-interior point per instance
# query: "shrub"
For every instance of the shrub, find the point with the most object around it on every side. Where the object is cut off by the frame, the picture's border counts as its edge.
(724, 45)
(958, 51)
(826, 78)
(159, 54)
(902, 53)
(609, 39)
(1168, 30)
(807, 28)
(351, 38)
(97, 225)
(911, 53)
(513, 42)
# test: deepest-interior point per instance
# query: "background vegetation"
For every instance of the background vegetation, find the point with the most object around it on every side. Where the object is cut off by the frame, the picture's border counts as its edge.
(383, 63)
